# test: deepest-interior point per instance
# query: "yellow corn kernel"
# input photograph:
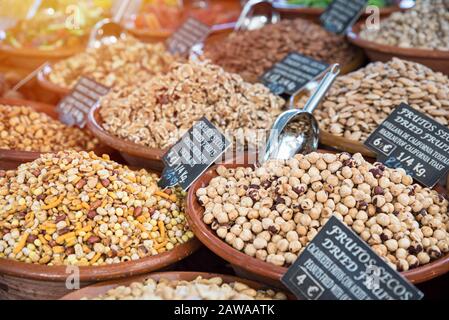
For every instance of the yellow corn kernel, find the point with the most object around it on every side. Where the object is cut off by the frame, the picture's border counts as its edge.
(173, 198)
(95, 258)
(141, 227)
(141, 219)
(161, 228)
(61, 239)
(70, 242)
(162, 194)
(42, 239)
(160, 245)
(85, 205)
(54, 203)
(19, 246)
(58, 249)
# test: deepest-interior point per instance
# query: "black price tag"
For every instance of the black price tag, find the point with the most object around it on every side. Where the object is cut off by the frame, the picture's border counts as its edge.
(412, 141)
(342, 14)
(74, 108)
(338, 265)
(291, 74)
(189, 34)
(198, 148)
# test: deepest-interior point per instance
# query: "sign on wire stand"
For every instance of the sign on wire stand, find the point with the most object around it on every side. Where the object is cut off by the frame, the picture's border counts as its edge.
(289, 76)
(197, 149)
(74, 108)
(342, 14)
(338, 265)
(189, 34)
(412, 141)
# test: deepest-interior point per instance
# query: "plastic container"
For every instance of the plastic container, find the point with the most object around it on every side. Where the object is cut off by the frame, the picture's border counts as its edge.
(258, 270)
(101, 288)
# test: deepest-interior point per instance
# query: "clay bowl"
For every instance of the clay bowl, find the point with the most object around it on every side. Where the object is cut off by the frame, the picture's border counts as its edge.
(254, 269)
(437, 60)
(356, 62)
(101, 288)
(289, 11)
(10, 159)
(136, 155)
(19, 280)
(31, 58)
(45, 83)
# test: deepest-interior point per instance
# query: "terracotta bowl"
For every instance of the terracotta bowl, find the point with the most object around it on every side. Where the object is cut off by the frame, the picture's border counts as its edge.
(437, 60)
(19, 280)
(135, 154)
(101, 288)
(45, 83)
(258, 270)
(30, 59)
(11, 159)
(289, 11)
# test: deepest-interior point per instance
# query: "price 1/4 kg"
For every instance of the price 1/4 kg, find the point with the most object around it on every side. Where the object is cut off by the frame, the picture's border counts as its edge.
(412, 166)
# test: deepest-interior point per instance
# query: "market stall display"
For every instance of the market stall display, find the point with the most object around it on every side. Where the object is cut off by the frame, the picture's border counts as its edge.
(153, 116)
(271, 212)
(358, 102)
(419, 34)
(251, 53)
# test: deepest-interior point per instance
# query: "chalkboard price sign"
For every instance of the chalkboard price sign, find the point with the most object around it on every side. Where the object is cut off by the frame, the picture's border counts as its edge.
(199, 148)
(338, 265)
(342, 14)
(412, 141)
(75, 107)
(291, 74)
(189, 34)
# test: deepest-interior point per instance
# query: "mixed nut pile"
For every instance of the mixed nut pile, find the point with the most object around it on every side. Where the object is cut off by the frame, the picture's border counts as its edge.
(23, 128)
(360, 101)
(157, 113)
(79, 209)
(198, 289)
(124, 63)
(251, 53)
(273, 211)
(426, 26)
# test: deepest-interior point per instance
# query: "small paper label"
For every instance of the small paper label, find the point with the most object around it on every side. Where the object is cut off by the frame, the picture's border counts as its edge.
(412, 141)
(196, 151)
(75, 107)
(189, 34)
(338, 265)
(342, 14)
(291, 74)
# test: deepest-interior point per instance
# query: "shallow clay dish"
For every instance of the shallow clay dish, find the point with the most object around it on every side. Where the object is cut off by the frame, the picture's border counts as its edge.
(45, 83)
(135, 154)
(437, 60)
(101, 288)
(19, 280)
(255, 269)
(11, 159)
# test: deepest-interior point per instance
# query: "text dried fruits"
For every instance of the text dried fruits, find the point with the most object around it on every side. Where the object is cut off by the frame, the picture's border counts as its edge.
(156, 113)
(77, 208)
(198, 289)
(273, 211)
(251, 53)
(359, 102)
(22, 128)
(123, 63)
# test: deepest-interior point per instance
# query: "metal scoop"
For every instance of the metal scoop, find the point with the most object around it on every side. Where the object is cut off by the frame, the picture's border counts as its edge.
(108, 31)
(256, 14)
(297, 131)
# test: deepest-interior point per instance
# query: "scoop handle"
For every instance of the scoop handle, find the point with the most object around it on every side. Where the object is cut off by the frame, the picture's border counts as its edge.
(246, 10)
(121, 11)
(322, 88)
